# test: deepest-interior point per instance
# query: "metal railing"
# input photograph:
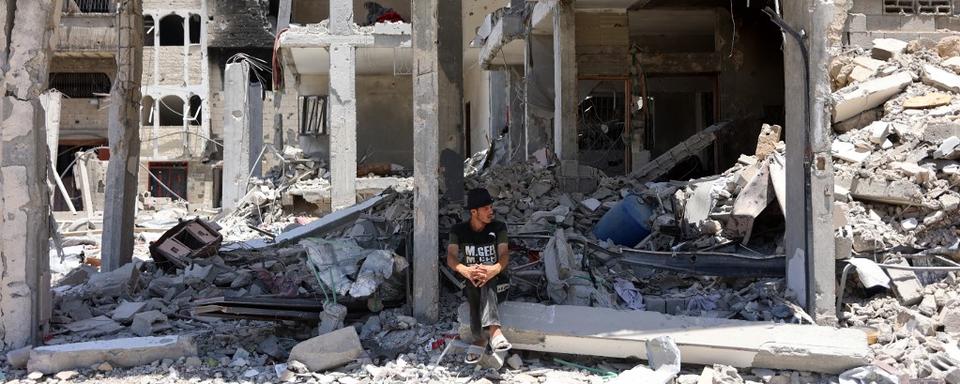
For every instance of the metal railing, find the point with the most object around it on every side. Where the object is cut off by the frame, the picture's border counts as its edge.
(89, 6)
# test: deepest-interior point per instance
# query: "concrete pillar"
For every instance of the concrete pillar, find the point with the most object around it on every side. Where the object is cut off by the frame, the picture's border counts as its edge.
(450, 75)
(426, 131)
(124, 134)
(565, 80)
(538, 96)
(242, 132)
(343, 110)
(25, 50)
(809, 236)
(499, 102)
(515, 97)
(52, 101)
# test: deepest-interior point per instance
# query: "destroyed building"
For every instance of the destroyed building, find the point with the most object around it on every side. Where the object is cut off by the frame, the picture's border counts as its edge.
(734, 191)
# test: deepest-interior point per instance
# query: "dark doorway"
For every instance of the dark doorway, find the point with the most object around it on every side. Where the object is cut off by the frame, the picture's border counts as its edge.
(601, 124)
(173, 175)
(171, 31)
(680, 107)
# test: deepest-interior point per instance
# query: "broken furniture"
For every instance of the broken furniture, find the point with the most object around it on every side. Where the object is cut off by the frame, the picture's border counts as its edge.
(187, 240)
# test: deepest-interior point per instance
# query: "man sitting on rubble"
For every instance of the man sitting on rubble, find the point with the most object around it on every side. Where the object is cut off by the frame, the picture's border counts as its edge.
(484, 262)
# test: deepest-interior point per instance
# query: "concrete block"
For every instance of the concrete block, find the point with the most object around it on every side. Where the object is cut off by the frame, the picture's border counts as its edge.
(858, 121)
(906, 285)
(857, 22)
(883, 23)
(937, 132)
(861, 74)
(129, 352)
(918, 173)
(950, 318)
(879, 130)
(125, 311)
(624, 334)
(851, 101)
(328, 351)
(940, 78)
(860, 39)
(947, 149)
(899, 192)
(767, 141)
(886, 49)
(918, 23)
(143, 322)
(952, 64)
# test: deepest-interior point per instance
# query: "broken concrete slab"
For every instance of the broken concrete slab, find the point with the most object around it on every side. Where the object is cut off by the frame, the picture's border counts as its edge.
(119, 282)
(858, 121)
(327, 351)
(886, 49)
(129, 352)
(952, 64)
(852, 100)
(848, 152)
(125, 311)
(906, 285)
(18, 358)
(143, 322)
(931, 75)
(93, 327)
(898, 192)
(947, 149)
(701, 340)
(930, 100)
(937, 132)
(918, 173)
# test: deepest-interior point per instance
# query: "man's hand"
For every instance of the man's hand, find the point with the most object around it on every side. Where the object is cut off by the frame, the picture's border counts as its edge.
(472, 273)
(487, 272)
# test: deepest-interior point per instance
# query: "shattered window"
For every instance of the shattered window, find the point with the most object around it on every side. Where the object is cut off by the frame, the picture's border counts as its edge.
(313, 115)
(81, 85)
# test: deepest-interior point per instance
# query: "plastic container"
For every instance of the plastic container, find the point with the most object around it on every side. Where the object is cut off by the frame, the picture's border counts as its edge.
(626, 223)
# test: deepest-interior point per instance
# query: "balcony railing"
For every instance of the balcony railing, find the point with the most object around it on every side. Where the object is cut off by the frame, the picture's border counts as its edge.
(89, 6)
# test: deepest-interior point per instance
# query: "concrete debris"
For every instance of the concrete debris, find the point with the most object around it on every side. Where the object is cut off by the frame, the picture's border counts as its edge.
(886, 49)
(573, 329)
(940, 78)
(928, 101)
(329, 350)
(856, 98)
(129, 352)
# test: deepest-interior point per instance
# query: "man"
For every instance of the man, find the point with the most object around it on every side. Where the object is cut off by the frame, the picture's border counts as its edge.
(483, 264)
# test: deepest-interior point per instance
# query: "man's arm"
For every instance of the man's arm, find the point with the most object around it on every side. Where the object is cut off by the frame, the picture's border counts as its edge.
(453, 261)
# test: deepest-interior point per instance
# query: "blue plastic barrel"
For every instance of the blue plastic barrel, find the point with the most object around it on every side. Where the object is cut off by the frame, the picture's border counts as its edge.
(626, 223)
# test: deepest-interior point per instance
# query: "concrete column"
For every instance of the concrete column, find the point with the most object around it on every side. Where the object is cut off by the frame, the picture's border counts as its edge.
(515, 97)
(343, 110)
(52, 102)
(283, 21)
(538, 96)
(565, 80)
(124, 134)
(450, 75)
(499, 102)
(186, 52)
(426, 130)
(809, 238)
(25, 50)
(242, 132)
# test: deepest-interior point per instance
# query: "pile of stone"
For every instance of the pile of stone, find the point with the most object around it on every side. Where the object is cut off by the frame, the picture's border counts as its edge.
(895, 146)
(896, 143)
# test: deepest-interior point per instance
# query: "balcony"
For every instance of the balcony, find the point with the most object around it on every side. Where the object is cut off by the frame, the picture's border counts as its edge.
(87, 35)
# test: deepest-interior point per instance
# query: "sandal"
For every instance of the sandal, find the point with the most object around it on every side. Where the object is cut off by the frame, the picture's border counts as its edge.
(499, 343)
(474, 353)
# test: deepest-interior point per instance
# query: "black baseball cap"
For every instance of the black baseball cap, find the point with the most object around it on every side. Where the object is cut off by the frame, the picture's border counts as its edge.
(478, 197)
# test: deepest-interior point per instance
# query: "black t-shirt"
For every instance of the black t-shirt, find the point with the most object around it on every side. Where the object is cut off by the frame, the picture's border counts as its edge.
(479, 247)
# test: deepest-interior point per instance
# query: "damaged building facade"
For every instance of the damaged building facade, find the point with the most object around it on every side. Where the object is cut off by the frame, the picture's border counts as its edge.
(704, 165)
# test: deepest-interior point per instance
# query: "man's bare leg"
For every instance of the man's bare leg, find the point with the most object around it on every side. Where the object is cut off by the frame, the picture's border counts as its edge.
(494, 331)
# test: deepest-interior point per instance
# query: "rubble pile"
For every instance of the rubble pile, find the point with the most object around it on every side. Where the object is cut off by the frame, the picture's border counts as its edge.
(895, 145)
